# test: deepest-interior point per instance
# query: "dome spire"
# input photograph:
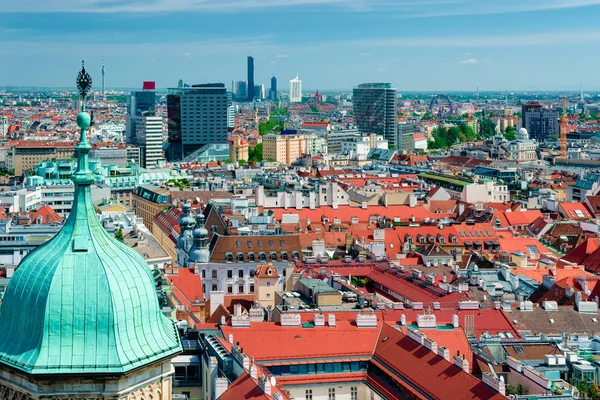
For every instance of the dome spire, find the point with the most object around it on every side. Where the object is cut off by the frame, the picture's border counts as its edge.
(83, 175)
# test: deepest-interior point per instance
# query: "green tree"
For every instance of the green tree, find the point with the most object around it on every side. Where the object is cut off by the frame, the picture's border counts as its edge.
(255, 154)
(266, 127)
(487, 128)
(314, 109)
(510, 133)
(119, 235)
(467, 131)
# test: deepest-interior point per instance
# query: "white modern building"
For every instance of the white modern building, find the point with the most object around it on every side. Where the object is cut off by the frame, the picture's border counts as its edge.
(296, 90)
(149, 138)
(4, 126)
(315, 144)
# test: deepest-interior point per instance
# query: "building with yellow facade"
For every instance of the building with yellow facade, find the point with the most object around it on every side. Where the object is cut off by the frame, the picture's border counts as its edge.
(238, 149)
(284, 148)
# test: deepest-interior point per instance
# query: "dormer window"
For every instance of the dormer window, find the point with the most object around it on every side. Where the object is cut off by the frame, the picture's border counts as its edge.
(442, 240)
(269, 272)
(409, 240)
(422, 239)
(431, 239)
(454, 240)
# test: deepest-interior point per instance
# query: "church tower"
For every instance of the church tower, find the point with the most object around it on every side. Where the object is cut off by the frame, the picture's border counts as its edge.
(80, 318)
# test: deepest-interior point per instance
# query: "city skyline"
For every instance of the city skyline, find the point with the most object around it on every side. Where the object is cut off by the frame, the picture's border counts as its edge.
(437, 45)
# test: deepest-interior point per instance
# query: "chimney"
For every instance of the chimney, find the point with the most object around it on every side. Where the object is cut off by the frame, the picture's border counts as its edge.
(230, 338)
(253, 371)
(461, 362)
(403, 320)
(455, 321)
(220, 387)
(237, 310)
(223, 320)
(444, 352)
(331, 320)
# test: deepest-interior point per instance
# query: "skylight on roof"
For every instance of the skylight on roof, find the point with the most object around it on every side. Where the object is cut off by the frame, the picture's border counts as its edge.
(579, 214)
(532, 250)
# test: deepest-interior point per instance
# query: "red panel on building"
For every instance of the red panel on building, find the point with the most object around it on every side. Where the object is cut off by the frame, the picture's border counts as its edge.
(149, 85)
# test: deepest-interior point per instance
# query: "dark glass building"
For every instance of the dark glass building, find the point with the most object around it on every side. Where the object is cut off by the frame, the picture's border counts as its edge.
(250, 78)
(197, 116)
(375, 109)
(273, 90)
(540, 122)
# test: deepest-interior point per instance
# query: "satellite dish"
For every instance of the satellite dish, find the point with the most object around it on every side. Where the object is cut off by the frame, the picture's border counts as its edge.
(273, 381)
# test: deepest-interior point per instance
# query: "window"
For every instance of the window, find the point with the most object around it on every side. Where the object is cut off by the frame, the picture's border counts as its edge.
(240, 257)
(271, 244)
(268, 283)
(422, 239)
(214, 273)
(204, 273)
(241, 273)
(229, 289)
(241, 289)
(230, 273)
(249, 244)
(353, 393)
(331, 393)
(409, 240)
(260, 243)
(308, 394)
(251, 288)
(282, 243)
(203, 288)
(214, 288)
(238, 243)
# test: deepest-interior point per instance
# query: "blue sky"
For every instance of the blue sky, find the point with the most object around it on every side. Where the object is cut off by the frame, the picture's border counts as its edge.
(333, 44)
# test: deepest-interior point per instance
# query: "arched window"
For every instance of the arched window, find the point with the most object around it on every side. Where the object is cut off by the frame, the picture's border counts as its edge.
(262, 257)
(273, 257)
(284, 256)
(240, 257)
(251, 257)
(229, 257)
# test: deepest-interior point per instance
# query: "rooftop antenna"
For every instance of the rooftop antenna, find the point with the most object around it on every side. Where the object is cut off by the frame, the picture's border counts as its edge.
(506, 100)
(477, 93)
(581, 92)
(103, 87)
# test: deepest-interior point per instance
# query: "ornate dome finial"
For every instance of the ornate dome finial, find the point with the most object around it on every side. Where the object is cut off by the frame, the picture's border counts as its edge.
(84, 82)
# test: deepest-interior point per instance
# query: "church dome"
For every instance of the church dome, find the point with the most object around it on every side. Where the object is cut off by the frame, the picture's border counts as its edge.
(523, 134)
(83, 303)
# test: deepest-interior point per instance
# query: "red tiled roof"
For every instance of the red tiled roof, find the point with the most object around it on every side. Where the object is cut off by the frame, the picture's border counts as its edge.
(187, 286)
(47, 214)
(575, 211)
(408, 290)
(345, 213)
(581, 252)
(522, 217)
(244, 387)
(270, 341)
(403, 358)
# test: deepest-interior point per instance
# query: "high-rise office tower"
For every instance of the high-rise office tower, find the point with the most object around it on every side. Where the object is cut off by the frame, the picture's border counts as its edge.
(140, 103)
(375, 109)
(240, 91)
(148, 137)
(196, 116)
(259, 92)
(295, 90)
(540, 122)
(251, 93)
(273, 90)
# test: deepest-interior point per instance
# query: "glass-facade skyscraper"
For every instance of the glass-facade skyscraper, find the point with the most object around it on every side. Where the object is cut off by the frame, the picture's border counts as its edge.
(251, 78)
(196, 116)
(375, 109)
(273, 90)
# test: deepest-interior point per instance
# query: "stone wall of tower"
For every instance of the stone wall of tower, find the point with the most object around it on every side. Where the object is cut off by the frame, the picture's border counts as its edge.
(153, 382)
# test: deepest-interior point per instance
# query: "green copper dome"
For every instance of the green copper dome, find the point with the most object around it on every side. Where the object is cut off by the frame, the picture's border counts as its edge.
(83, 302)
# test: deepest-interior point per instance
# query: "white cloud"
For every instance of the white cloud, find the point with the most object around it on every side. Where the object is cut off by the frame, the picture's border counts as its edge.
(468, 61)
(187, 54)
(404, 8)
(469, 53)
(513, 40)
(364, 54)
(281, 56)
